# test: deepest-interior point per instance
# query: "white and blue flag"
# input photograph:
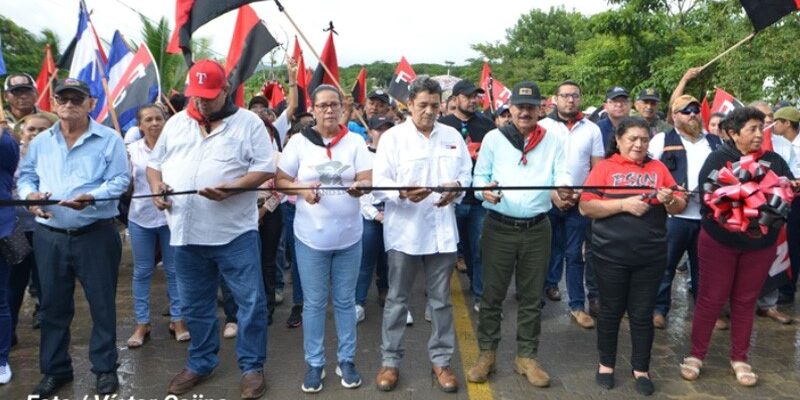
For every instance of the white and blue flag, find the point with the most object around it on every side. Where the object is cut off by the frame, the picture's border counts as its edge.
(86, 59)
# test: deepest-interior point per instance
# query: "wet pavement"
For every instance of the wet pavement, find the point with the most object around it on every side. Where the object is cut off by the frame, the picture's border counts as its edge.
(566, 351)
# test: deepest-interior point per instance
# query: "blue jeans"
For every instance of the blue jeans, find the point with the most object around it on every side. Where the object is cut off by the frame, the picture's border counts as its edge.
(682, 235)
(373, 253)
(324, 272)
(288, 211)
(469, 218)
(197, 268)
(569, 231)
(143, 246)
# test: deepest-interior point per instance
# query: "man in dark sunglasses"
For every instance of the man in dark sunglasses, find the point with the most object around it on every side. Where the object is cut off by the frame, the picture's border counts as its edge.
(19, 92)
(80, 162)
(683, 150)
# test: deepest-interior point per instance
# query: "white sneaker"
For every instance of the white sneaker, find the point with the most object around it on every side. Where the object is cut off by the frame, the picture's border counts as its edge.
(278, 296)
(477, 307)
(230, 330)
(360, 314)
(409, 319)
(5, 374)
(428, 313)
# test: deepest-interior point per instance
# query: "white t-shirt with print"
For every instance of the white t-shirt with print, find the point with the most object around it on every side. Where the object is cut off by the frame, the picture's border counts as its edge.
(335, 222)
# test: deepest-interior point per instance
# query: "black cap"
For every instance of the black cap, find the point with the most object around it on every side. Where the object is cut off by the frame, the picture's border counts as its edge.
(379, 95)
(466, 88)
(18, 81)
(500, 110)
(649, 94)
(258, 100)
(617, 91)
(73, 84)
(378, 122)
(526, 93)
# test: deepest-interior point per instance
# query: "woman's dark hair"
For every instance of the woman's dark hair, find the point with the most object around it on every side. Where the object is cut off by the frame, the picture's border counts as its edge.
(147, 107)
(624, 126)
(719, 115)
(739, 117)
(325, 88)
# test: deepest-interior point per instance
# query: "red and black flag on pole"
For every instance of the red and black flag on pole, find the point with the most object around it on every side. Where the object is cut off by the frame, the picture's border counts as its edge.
(360, 87)
(251, 41)
(191, 15)
(763, 13)
(273, 91)
(328, 58)
(303, 100)
(402, 78)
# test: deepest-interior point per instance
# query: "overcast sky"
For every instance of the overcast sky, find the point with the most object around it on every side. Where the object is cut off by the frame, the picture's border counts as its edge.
(429, 31)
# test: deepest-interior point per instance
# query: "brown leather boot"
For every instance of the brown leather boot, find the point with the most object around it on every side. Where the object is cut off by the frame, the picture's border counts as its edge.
(252, 385)
(529, 367)
(446, 379)
(387, 378)
(185, 381)
(479, 373)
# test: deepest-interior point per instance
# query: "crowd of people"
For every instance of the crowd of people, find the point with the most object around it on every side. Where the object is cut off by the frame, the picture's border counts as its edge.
(289, 190)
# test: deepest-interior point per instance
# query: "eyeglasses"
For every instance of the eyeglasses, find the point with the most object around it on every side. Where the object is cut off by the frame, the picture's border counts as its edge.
(567, 96)
(75, 100)
(325, 106)
(690, 111)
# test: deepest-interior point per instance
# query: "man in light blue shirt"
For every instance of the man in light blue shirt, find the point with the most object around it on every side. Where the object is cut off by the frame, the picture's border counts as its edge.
(77, 161)
(516, 232)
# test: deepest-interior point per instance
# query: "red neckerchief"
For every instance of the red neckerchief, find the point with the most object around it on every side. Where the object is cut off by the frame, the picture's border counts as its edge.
(342, 131)
(314, 137)
(577, 119)
(194, 113)
(534, 137)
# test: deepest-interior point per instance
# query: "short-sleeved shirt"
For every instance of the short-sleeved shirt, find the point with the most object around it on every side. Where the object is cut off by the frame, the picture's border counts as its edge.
(625, 238)
(335, 222)
(189, 161)
(142, 211)
(582, 140)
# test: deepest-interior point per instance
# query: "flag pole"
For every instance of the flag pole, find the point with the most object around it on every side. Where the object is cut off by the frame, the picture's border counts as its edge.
(316, 55)
(109, 100)
(166, 101)
(48, 87)
(730, 49)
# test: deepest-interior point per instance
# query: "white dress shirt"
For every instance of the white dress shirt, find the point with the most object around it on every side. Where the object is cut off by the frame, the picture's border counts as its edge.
(582, 142)
(142, 212)
(187, 161)
(405, 157)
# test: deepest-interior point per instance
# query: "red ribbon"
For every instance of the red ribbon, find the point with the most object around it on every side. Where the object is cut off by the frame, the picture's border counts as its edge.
(342, 131)
(747, 196)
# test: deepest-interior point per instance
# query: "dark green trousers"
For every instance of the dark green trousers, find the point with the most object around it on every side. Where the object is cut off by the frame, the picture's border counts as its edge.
(507, 251)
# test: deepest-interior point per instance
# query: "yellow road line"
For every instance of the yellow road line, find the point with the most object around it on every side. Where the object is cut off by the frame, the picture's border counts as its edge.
(467, 343)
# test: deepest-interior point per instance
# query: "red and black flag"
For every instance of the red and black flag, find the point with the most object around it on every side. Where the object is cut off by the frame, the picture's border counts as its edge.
(191, 15)
(360, 87)
(43, 81)
(328, 58)
(303, 100)
(273, 91)
(251, 41)
(402, 78)
(763, 13)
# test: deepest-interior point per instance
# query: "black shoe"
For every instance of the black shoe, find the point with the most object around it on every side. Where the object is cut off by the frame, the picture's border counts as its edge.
(645, 386)
(604, 380)
(296, 317)
(107, 382)
(49, 385)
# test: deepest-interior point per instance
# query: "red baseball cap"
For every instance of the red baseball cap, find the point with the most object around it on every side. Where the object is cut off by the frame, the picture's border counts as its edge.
(206, 79)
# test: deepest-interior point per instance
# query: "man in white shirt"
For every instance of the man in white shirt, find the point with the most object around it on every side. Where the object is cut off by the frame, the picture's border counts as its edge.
(420, 230)
(683, 150)
(210, 146)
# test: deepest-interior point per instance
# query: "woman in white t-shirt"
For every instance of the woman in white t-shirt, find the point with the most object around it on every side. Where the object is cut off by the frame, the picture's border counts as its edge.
(327, 230)
(148, 226)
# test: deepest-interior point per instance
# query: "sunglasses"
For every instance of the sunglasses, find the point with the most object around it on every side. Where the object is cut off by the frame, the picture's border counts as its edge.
(690, 111)
(75, 100)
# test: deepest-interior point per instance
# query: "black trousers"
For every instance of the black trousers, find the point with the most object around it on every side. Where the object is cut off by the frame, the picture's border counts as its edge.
(632, 289)
(93, 258)
(269, 232)
(19, 276)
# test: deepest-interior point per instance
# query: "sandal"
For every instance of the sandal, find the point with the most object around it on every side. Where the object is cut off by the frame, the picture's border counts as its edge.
(139, 336)
(178, 328)
(744, 373)
(690, 368)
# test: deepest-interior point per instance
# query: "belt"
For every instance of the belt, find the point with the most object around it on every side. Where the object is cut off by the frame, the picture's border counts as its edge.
(79, 231)
(523, 223)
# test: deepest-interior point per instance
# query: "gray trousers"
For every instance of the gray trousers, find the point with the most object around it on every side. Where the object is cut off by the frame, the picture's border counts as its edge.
(402, 271)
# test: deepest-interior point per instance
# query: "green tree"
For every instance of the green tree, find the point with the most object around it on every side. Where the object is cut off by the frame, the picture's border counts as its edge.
(22, 50)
